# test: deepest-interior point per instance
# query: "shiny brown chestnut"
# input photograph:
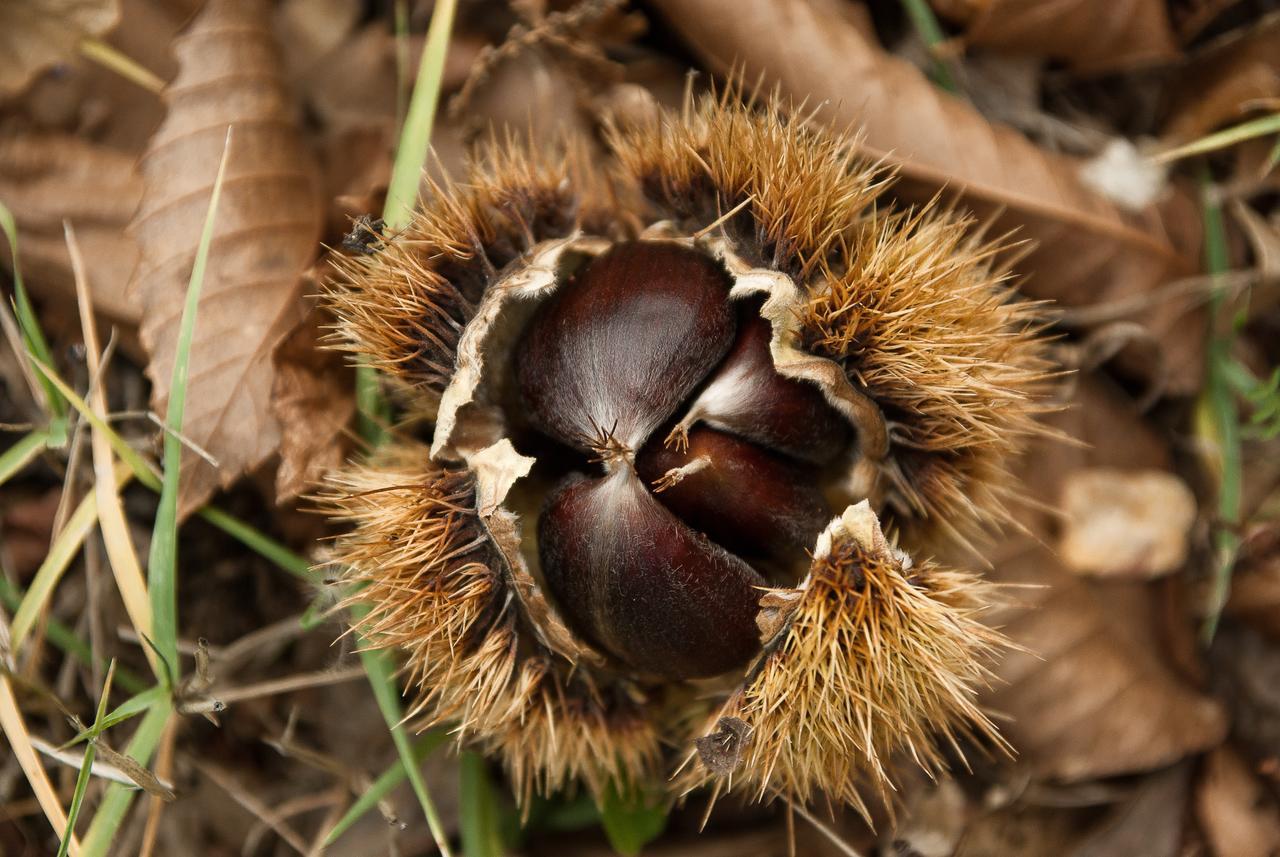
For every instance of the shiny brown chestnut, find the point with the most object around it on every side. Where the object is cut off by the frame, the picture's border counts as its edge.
(624, 342)
(747, 498)
(747, 396)
(643, 586)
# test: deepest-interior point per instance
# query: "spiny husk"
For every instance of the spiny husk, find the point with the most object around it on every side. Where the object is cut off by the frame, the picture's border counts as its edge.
(403, 307)
(429, 575)
(956, 363)
(872, 659)
(793, 192)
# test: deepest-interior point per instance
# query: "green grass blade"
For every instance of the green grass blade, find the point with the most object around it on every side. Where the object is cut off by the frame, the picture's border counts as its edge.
(930, 31)
(86, 766)
(415, 136)
(18, 456)
(144, 472)
(162, 567)
(32, 335)
(629, 821)
(478, 809)
(1223, 139)
(119, 797)
(260, 543)
(77, 799)
(382, 786)
(372, 410)
(1220, 417)
(377, 665)
(131, 707)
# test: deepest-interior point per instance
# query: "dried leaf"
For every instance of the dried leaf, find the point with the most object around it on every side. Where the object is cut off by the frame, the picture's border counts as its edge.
(1086, 249)
(1091, 36)
(1237, 814)
(35, 34)
(1125, 523)
(45, 178)
(131, 768)
(1264, 241)
(1081, 696)
(1255, 584)
(312, 399)
(265, 236)
(1148, 824)
(1213, 89)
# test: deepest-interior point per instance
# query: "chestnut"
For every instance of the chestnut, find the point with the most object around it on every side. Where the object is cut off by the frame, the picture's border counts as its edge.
(750, 398)
(620, 346)
(747, 498)
(642, 585)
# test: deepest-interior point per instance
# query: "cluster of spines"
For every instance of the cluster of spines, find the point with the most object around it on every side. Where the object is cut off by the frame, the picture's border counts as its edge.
(921, 322)
(787, 192)
(872, 659)
(421, 562)
(907, 303)
(403, 306)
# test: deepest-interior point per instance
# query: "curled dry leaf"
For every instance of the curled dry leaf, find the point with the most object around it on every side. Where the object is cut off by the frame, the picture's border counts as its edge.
(1085, 249)
(264, 237)
(35, 34)
(1125, 523)
(1092, 36)
(313, 402)
(1237, 814)
(1080, 697)
(46, 178)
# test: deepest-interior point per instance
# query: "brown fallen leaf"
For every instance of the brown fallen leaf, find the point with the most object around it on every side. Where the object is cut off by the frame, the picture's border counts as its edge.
(1019, 829)
(1086, 250)
(1148, 824)
(1091, 36)
(45, 178)
(1125, 523)
(1214, 88)
(35, 34)
(313, 402)
(1264, 240)
(265, 236)
(1081, 696)
(1237, 814)
(1255, 582)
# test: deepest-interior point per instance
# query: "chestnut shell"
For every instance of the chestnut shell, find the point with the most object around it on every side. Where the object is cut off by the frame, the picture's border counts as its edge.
(620, 346)
(642, 585)
(747, 498)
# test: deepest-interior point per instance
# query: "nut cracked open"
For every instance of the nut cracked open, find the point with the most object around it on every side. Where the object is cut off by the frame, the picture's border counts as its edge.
(672, 397)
